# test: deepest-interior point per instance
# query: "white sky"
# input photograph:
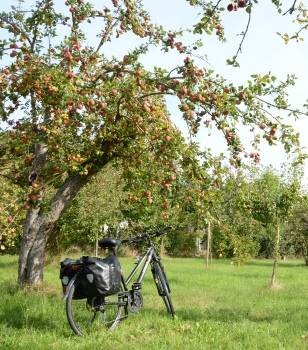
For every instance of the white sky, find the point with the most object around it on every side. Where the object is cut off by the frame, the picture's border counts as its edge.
(263, 51)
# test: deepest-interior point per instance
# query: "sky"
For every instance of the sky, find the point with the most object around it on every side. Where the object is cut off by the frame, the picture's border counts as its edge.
(263, 51)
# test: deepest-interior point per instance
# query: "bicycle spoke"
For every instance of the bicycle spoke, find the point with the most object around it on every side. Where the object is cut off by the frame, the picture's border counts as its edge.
(86, 316)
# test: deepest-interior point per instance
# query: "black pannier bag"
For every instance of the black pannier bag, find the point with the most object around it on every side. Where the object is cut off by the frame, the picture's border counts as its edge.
(68, 269)
(105, 274)
(98, 276)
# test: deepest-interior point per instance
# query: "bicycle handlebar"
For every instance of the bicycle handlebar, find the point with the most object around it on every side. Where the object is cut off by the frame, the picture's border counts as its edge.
(155, 233)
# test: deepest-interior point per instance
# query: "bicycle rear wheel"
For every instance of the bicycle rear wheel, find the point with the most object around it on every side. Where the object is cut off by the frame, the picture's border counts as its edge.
(162, 285)
(89, 315)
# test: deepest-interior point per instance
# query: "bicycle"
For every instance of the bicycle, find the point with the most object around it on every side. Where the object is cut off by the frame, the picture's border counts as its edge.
(87, 315)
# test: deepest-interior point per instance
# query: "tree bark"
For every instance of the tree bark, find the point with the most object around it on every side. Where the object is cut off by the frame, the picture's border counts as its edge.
(31, 229)
(276, 257)
(208, 246)
(39, 226)
(305, 252)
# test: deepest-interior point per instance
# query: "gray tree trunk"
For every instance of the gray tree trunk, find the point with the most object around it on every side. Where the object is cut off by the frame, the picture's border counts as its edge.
(276, 257)
(39, 226)
(209, 243)
(305, 252)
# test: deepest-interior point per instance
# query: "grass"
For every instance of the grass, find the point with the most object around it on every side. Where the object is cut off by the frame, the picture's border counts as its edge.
(222, 307)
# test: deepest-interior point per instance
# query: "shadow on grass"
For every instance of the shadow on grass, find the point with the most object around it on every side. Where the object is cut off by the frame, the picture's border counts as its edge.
(24, 309)
(8, 265)
(269, 263)
(239, 315)
(224, 315)
(191, 314)
(9, 287)
(188, 314)
(17, 316)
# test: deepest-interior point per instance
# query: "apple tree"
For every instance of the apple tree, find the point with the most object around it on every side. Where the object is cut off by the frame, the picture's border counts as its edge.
(298, 227)
(236, 233)
(270, 201)
(68, 109)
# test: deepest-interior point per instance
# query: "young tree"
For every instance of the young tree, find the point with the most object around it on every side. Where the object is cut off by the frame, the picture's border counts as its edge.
(237, 233)
(68, 110)
(271, 201)
(98, 203)
(298, 226)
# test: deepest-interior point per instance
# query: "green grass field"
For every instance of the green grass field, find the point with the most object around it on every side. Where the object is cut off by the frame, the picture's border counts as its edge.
(223, 307)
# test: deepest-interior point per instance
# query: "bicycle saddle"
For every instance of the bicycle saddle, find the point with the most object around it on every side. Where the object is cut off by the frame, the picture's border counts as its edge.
(109, 243)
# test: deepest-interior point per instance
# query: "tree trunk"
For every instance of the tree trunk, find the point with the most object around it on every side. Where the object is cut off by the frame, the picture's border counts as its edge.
(162, 247)
(208, 245)
(27, 258)
(276, 257)
(305, 252)
(39, 226)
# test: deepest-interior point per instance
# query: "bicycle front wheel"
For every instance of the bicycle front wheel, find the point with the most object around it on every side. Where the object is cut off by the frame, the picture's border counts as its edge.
(89, 315)
(162, 285)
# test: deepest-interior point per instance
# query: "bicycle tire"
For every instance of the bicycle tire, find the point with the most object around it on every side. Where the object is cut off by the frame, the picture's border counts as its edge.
(164, 275)
(81, 315)
(162, 285)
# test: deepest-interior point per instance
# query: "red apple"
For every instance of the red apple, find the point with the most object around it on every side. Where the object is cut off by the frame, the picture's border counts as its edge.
(55, 169)
(26, 205)
(167, 187)
(172, 177)
(103, 105)
(69, 74)
(230, 7)
(113, 92)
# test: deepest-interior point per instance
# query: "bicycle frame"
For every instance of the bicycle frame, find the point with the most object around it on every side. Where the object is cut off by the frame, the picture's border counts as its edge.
(128, 298)
(145, 259)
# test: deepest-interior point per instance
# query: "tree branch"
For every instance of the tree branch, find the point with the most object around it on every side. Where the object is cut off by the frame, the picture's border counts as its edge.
(106, 34)
(11, 178)
(239, 50)
(6, 20)
(281, 108)
(301, 29)
(33, 107)
(213, 11)
(291, 9)
(155, 94)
